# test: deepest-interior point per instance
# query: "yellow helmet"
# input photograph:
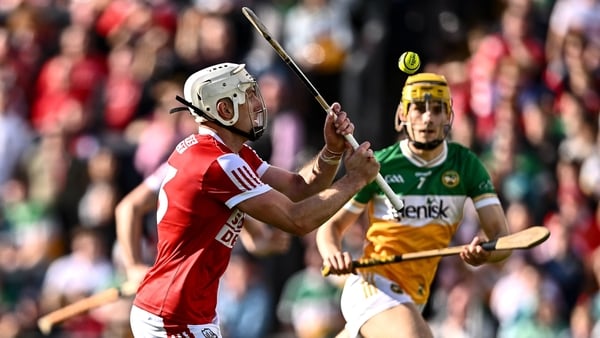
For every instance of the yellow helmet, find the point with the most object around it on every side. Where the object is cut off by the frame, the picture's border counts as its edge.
(426, 86)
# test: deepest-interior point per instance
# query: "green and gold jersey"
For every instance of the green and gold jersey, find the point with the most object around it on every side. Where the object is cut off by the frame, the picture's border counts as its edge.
(434, 194)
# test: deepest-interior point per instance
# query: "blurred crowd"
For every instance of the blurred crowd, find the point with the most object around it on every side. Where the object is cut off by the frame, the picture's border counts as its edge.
(85, 92)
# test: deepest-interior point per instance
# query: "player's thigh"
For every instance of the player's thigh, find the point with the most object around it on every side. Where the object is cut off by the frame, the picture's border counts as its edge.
(404, 321)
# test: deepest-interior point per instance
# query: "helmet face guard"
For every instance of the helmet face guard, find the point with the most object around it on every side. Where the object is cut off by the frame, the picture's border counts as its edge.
(258, 117)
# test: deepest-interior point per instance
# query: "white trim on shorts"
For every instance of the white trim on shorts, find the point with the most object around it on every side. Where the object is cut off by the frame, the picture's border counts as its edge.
(365, 296)
(147, 325)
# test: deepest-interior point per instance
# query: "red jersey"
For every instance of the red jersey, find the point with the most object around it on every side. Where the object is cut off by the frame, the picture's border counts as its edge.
(198, 225)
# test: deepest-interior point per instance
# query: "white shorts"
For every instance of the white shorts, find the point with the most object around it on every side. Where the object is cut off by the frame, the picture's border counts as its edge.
(147, 325)
(365, 296)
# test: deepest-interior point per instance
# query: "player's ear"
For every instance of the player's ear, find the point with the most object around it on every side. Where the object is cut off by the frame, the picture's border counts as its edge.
(400, 118)
(225, 109)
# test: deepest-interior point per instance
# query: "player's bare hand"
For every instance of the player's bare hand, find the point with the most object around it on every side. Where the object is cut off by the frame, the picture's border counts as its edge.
(337, 125)
(474, 254)
(136, 273)
(361, 163)
(339, 263)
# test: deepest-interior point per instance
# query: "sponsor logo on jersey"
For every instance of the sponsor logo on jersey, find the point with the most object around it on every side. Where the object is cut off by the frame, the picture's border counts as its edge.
(450, 179)
(432, 209)
(396, 288)
(208, 333)
(230, 231)
(394, 178)
(486, 185)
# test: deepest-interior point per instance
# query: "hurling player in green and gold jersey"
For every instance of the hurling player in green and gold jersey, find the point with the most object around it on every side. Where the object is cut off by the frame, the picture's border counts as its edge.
(434, 178)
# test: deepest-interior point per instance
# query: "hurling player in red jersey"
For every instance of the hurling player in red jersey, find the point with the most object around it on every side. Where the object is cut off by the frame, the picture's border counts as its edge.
(213, 180)
(136, 251)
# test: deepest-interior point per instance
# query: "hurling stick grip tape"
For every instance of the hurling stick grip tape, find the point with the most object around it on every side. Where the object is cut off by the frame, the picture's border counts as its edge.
(262, 29)
(48, 321)
(524, 239)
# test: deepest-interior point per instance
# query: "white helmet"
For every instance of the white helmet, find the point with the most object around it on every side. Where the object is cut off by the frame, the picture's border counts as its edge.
(207, 86)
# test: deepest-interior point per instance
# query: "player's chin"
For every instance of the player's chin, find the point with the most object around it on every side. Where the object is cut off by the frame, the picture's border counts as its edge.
(426, 135)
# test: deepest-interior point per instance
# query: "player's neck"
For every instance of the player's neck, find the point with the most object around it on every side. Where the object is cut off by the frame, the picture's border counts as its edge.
(233, 141)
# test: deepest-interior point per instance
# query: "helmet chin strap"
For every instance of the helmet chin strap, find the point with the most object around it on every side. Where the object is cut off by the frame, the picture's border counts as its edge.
(426, 145)
(254, 134)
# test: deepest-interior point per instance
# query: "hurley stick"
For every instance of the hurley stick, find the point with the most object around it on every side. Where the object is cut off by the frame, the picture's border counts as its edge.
(524, 239)
(48, 321)
(260, 27)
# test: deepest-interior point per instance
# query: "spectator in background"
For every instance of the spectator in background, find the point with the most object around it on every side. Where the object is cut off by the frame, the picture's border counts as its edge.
(55, 105)
(561, 261)
(309, 303)
(78, 274)
(513, 167)
(31, 37)
(57, 178)
(464, 314)
(581, 320)
(15, 78)
(283, 144)
(204, 38)
(514, 39)
(541, 138)
(67, 83)
(96, 206)
(589, 176)
(159, 133)
(30, 229)
(595, 295)
(579, 127)
(517, 291)
(16, 135)
(582, 59)
(261, 56)
(119, 97)
(569, 19)
(318, 35)
(30, 239)
(245, 298)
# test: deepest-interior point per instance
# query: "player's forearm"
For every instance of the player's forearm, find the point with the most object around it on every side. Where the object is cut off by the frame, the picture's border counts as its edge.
(314, 211)
(129, 233)
(320, 172)
(329, 241)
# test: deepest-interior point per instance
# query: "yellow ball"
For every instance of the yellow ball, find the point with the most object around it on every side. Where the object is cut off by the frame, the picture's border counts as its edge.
(409, 62)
